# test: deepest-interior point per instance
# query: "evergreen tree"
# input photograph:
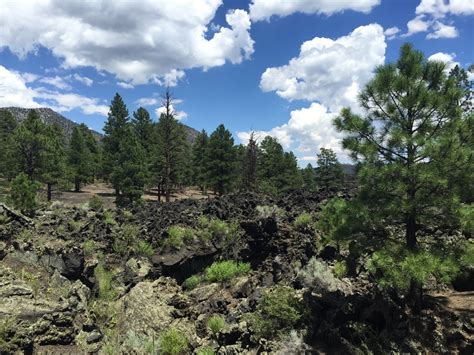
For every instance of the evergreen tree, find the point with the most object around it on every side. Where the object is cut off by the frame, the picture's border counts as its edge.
(222, 156)
(54, 160)
(200, 161)
(115, 130)
(170, 147)
(308, 175)
(80, 159)
(277, 170)
(143, 127)
(30, 143)
(404, 141)
(329, 174)
(94, 151)
(7, 127)
(23, 193)
(249, 178)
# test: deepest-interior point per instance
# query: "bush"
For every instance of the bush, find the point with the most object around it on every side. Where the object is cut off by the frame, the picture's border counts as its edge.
(466, 214)
(95, 203)
(215, 323)
(143, 248)
(317, 276)
(224, 230)
(340, 269)
(104, 282)
(177, 235)
(89, 247)
(173, 342)
(9, 341)
(191, 282)
(398, 268)
(109, 218)
(303, 222)
(205, 350)
(278, 311)
(23, 194)
(222, 271)
(269, 212)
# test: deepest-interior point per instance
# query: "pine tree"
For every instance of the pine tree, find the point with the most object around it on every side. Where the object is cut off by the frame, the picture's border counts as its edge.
(80, 159)
(222, 156)
(170, 147)
(308, 175)
(403, 141)
(200, 161)
(23, 193)
(249, 178)
(7, 127)
(144, 127)
(94, 150)
(329, 174)
(115, 130)
(54, 160)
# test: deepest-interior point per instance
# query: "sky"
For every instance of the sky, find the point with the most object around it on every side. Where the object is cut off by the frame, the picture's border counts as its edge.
(283, 68)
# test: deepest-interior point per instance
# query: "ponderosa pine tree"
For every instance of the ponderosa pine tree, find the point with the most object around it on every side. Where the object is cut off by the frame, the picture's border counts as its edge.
(200, 160)
(54, 160)
(412, 110)
(222, 157)
(80, 159)
(94, 150)
(115, 130)
(308, 175)
(329, 173)
(143, 127)
(7, 127)
(250, 163)
(169, 149)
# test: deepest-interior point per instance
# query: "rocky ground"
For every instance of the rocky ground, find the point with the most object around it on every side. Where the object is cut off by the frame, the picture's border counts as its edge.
(75, 280)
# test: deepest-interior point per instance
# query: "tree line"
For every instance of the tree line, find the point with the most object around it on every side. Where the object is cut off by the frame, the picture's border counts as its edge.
(137, 154)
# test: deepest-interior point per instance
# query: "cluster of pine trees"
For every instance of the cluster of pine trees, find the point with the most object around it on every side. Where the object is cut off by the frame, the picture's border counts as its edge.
(137, 154)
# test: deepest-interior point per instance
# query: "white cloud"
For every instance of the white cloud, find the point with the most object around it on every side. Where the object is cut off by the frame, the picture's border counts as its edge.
(147, 101)
(83, 79)
(15, 92)
(418, 24)
(391, 32)
(443, 31)
(307, 130)
(157, 43)
(331, 72)
(264, 9)
(55, 81)
(446, 58)
(179, 115)
(125, 85)
(439, 8)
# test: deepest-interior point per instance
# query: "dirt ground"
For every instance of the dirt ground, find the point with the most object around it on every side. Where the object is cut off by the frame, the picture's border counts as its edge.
(106, 194)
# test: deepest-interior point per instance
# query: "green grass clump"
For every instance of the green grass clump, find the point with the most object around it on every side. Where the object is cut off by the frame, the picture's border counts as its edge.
(177, 236)
(143, 248)
(205, 350)
(89, 247)
(278, 311)
(222, 271)
(173, 342)
(104, 282)
(74, 226)
(215, 324)
(303, 222)
(340, 269)
(95, 203)
(191, 282)
(109, 218)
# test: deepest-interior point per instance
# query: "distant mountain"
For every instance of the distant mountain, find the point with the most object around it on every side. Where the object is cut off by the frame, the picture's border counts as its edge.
(50, 116)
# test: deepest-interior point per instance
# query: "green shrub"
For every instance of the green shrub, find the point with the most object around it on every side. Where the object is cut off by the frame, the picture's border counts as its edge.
(223, 230)
(278, 311)
(95, 203)
(143, 248)
(23, 193)
(8, 338)
(221, 271)
(340, 269)
(191, 282)
(303, 222)
(466, 214)
(177, 236)
(269, 212)
(467, 255)
(89, 247)
(104, 282)
(109, 218)
(205, 350)
(173, 342)
(216, 323)
(74, 226)
(398, 267)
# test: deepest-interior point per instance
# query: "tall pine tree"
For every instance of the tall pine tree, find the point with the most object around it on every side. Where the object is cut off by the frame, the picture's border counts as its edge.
(7, 127)
(200, 161)
(222, 156)
(329, 173)
(80, 159)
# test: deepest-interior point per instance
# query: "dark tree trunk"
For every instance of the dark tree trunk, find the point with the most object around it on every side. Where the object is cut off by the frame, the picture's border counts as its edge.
(50, 188)
(77, 185)
(411, 232)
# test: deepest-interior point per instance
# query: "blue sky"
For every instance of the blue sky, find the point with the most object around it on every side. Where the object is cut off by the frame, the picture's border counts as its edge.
(278, 67)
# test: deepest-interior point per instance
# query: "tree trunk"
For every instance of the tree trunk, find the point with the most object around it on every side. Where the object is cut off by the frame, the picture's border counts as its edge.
(410, 233)
(50, 188)
(77, 185)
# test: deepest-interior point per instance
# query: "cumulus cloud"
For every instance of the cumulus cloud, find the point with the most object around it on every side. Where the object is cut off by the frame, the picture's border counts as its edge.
(14, 91)
(125, 85)
(439, 8)
(443, 31)
(156, 44)
(265, 9)
(179, 115)
(417, 25)
(83, 79)
(391, 32)
(329, 71)
(446, 58)
(307, 130)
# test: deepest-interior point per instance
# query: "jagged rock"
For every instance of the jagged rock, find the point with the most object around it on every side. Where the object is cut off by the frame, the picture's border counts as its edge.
(93, 337)
(137, 269)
